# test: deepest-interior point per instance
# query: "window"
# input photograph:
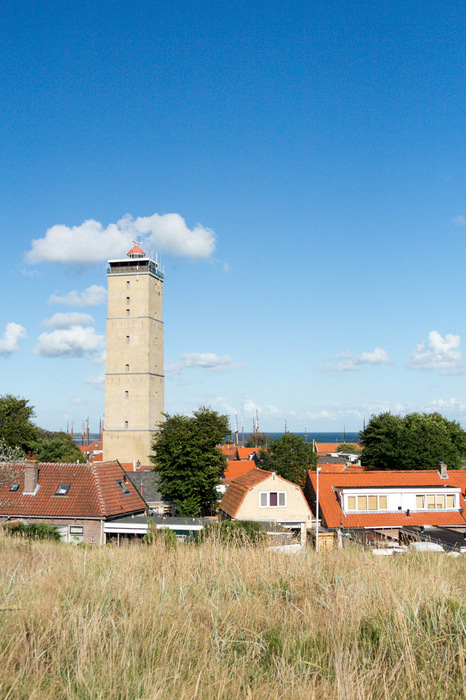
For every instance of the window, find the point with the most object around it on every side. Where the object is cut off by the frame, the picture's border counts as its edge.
(126, 425)
(419, 502)
(351, 502)
(14, 487)
(126, 394)
(127, 284)
(372, 502)
(441, 501)
(272, 499)
(450, 501)
(62, 490)
(127, 368)
(127, 340)
(123, 487)
(382, 503)
(433, 501)
(127, 312)
(127, 301)
(362, 502)
(430, 502)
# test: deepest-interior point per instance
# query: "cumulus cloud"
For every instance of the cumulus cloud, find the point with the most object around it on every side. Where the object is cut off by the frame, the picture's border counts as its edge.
(459, 220)
(65, 320)
(352, 363)
(75, 341)
(98, 380)
(91, 242)
(439, 353)
(9, 341)
(203, 360)
(92, 296)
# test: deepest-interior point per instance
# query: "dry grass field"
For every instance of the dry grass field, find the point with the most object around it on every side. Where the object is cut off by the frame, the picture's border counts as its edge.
(212, 621)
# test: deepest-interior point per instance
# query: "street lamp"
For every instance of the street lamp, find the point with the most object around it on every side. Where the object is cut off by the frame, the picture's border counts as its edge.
(317, 509)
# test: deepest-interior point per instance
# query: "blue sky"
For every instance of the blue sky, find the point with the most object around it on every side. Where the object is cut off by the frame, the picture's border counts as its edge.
(300, 169)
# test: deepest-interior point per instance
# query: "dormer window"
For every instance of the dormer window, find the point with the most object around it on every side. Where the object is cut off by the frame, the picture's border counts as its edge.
(62, 490)
(123, 487)
(14, 487)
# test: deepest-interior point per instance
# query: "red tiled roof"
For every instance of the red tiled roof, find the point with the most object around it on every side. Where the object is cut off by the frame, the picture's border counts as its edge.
(237, 467)
(94, 492)
(246, 452)
(94, 445)
(333, 515)
(326, 447)
(343, 467)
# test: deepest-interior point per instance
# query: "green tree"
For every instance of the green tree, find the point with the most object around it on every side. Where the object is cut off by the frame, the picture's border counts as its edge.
(290, 457)
(188, 461)
(16, 426)
(57, 447)
(348, 447)
(417, 441)
(257, 440)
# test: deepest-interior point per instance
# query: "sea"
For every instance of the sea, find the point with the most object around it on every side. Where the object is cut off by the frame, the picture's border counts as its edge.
(309, 436)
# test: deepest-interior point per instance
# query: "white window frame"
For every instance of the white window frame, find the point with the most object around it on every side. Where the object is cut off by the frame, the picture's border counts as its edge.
(267, 498)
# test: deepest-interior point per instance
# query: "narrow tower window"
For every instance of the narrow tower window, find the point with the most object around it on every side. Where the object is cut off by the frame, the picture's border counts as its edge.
(127, 339)
(127, 368)
(127, 301)
(126, 394)
(127, 312)
(127, 284)
(126, 424)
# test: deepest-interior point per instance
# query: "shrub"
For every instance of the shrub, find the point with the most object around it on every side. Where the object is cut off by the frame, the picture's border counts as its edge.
(235, 532)
(34, 531)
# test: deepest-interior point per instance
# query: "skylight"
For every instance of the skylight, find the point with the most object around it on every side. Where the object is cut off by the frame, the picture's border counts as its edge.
(14, 487)
(122, 486)
(62, 490)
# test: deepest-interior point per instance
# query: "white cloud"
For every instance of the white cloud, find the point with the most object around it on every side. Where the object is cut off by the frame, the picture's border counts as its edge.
(442, 354)
(9, 342)
(352, 363)
(99, 380)
(91, 243)
(65, 320)
(92, 296)
(459, 220)
(202, 360)
(76, 341)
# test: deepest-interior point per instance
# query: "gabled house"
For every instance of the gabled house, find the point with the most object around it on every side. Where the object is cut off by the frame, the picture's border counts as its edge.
(389, 500)
(76, 498)
(264, 496)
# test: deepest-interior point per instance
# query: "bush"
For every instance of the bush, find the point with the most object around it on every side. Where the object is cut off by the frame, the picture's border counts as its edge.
(161, 535)
(237, 532)
(34, 531)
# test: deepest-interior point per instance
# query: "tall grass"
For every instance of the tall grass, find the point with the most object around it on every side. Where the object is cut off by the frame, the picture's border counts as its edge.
(211, 621)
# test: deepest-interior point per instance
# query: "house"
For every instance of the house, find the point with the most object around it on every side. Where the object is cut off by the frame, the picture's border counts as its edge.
(77, 499)
(386, 501)
(265, 496)
(146, 483)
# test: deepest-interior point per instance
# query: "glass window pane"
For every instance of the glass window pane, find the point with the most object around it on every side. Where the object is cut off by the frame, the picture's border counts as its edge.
(351, 502)
(362, 502)
(372, 502)
(263, 500)
(383, 502)
(281, 498)
(441, 501)
(419, 502)
(273, 498)
(450, 501)
(430, 502)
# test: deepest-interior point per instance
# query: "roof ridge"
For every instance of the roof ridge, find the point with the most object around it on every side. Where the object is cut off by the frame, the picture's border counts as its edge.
(96, 475)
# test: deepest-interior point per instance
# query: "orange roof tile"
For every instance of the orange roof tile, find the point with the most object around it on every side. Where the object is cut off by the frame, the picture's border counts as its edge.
(326, 447)
(246, 452)
(94, 492)
(333, 515)
(237, 467)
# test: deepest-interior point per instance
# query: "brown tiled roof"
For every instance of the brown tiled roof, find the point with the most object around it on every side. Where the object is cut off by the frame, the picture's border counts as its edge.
(333, 515)
(237, 467)
(94, 492)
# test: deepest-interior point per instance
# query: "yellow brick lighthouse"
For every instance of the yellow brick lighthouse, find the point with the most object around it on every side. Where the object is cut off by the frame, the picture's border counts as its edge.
(134, 381)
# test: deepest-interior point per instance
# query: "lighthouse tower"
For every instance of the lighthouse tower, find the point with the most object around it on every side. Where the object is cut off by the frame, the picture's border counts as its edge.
(134, 381)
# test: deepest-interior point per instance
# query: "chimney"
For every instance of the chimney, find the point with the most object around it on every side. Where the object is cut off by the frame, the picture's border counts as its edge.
(442, 469)
(31, 472)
